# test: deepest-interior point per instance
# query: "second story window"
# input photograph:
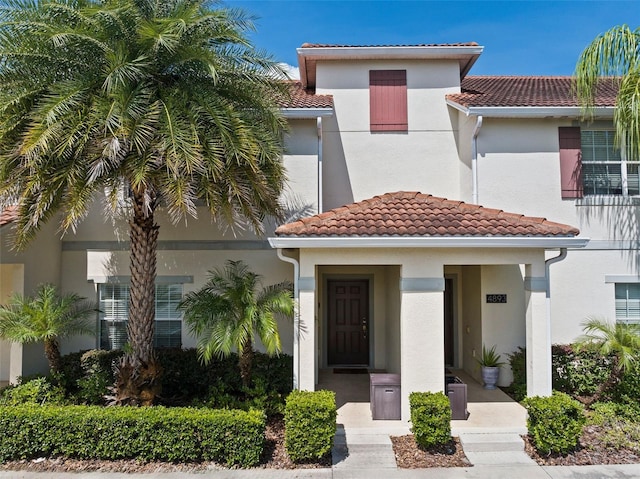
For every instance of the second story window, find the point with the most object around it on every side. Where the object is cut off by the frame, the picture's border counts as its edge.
(604, 170)
(388, 100)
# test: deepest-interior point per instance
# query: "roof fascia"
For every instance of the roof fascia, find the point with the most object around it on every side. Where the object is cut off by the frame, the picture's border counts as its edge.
(429, 242)
(530, 111)
(305, 113)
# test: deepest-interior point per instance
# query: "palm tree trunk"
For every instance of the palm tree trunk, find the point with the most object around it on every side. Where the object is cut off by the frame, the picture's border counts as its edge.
(139, 374)
(245, 363)
(52, 352)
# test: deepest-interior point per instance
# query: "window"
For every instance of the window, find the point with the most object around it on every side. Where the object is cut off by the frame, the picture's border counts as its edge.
(388, 100)
(604, 171)
(114, 311)
(628, 302)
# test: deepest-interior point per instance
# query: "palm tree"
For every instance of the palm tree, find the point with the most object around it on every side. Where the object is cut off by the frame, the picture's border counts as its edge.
(229, 312)
(618, 340)
(167, 101)
(615, 53)
(46, 317)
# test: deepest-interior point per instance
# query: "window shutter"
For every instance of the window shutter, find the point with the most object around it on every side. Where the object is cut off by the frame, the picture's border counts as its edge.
(388, 100)
(570, 162)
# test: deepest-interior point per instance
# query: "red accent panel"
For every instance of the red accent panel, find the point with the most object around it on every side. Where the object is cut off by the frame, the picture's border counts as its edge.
(388, 100)
(570, 162)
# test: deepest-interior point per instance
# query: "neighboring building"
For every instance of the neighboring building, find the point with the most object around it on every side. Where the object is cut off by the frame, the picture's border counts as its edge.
(410, 275)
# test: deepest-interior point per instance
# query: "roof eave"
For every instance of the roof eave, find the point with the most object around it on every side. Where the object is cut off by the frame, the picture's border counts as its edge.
(305, 113)
(546, 242)
(530, 111)
(465, 55)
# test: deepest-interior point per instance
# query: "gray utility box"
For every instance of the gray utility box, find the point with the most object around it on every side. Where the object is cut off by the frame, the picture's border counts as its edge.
(385, 396)
(457, 392)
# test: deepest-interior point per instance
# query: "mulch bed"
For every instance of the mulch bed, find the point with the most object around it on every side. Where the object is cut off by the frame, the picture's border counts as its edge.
(591, 451)
(274, 457)
(410, 456)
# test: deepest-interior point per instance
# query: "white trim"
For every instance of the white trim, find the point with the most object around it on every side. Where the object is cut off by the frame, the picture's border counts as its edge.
(390, 52)
(428, 242)
(621, 278)
(124, 279)
(305, 113)
(420, 285)
(530, 111)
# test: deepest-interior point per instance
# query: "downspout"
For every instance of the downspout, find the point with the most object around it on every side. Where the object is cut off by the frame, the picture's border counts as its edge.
(474, 160)
(319, 128)
(296, 316)
(547, 276)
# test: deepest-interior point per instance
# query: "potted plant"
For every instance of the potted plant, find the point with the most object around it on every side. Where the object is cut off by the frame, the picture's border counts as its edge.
(490, 364)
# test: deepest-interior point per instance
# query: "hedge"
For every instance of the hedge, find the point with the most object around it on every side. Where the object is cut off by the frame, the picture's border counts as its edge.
(430, 418)
(310, 424)
(149, 434)
(554, 422)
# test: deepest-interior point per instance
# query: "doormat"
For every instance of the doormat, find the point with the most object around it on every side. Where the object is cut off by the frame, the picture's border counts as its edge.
(350, 371)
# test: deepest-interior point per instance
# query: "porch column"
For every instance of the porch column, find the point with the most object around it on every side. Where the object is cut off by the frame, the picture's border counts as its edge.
(538, 331)
(307, 334)
(421, 337)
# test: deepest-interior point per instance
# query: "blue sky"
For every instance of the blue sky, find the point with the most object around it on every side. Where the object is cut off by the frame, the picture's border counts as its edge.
(520, 37)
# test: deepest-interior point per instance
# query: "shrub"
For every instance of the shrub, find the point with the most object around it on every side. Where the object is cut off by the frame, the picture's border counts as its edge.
(578, 373)
(91, 432)
(310, 424)
(430, 418)
(518, 363)
(627, 391)
(554, 422)
(36, 391)
(619, 425)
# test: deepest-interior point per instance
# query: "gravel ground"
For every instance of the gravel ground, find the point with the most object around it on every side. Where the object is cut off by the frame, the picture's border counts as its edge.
(410, 456)
(591, 451)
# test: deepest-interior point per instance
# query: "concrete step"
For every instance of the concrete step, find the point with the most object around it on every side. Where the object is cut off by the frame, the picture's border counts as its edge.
(363, 456)
(505, 458)
(494, 442)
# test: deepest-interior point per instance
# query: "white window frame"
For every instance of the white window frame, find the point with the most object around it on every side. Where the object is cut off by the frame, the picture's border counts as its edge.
(119, 318)
(622, 161)
(626, 318)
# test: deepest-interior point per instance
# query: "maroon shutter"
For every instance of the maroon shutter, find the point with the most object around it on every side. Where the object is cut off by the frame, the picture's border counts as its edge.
(570, 162)
(388, 100)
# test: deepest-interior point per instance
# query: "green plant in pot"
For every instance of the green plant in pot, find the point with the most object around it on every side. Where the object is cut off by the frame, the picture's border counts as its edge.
(490, 363)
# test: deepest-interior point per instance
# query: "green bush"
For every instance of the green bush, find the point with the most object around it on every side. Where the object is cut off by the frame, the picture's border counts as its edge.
(86, 376)
(619, 425)
(555, 422)
(310, 424)
(627, 391)
(518, 363)
(36, 391)
(578, 373)
(157, 433)
(430, 418)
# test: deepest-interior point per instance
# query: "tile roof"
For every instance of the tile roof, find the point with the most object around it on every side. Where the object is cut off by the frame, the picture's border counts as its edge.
(306, 98)
(8, 215)
(416, 214)
(325, 45)
(534, 91)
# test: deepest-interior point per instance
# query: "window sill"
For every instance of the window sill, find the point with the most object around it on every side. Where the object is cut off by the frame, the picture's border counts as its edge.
(608, 200)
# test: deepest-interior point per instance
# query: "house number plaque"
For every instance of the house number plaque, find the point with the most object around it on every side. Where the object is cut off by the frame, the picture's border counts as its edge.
(496, 298)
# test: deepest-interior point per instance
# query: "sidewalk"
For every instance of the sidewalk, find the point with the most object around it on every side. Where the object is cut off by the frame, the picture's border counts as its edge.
(631, 471)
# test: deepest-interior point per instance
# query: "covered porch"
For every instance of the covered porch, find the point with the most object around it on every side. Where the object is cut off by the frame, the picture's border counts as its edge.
(489, 410)
(409, 284)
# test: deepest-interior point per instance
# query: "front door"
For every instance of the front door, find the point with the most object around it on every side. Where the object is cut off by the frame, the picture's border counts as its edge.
(348, 322)
(448, 322)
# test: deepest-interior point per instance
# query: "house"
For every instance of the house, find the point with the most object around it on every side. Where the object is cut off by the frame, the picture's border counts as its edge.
(394, 148)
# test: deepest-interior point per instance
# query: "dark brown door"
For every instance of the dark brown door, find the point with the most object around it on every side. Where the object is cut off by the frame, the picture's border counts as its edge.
(448, 322)
(348, 319)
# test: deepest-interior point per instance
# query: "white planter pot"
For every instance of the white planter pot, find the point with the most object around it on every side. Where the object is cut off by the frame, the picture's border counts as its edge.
(490, 376)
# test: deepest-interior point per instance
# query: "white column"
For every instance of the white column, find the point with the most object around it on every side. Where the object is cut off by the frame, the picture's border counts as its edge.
(421, 337)
(538, 331)
(307, 335)
(15, 363)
